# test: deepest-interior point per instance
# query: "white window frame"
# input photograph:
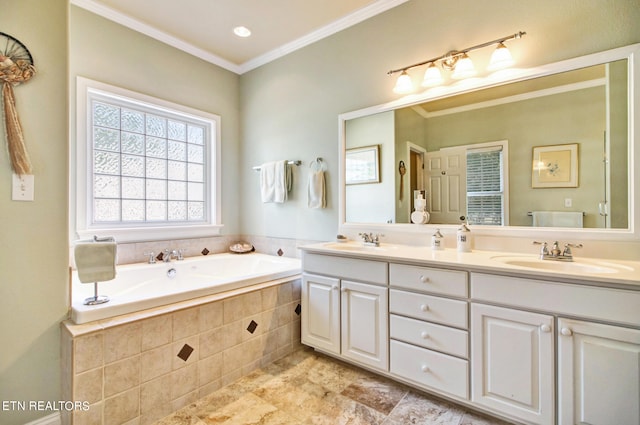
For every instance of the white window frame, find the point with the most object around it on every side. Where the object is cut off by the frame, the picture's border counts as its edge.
(80, 182)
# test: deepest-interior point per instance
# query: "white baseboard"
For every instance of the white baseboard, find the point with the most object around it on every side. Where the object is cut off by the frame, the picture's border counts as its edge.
(52, 419)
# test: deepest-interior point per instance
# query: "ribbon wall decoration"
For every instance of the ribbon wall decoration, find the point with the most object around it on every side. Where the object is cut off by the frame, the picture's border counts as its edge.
(16, 67)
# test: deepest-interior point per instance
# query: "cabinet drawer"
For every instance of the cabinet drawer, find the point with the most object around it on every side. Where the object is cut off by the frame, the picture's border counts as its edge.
(427, 279)
(346, 268)
(430, 369)
(429, 335)
(432, 309)
(607, 304)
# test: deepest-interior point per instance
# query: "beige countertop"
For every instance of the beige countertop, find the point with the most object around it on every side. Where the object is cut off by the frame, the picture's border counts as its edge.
(593, 271)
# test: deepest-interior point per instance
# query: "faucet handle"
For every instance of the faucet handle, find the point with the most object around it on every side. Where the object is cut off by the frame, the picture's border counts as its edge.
(152, 258)
(180, 254)
(544, 250)
(567, 249)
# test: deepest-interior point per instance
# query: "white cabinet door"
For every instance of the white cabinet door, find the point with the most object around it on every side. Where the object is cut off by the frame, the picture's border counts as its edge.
(364, 324)
(320, 316)
(598, 374)
(512, 354)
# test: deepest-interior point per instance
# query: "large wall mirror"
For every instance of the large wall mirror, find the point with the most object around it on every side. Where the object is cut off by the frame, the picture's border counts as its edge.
(551, 147)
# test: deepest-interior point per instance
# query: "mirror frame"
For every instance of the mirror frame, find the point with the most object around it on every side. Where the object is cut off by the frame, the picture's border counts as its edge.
(632, 233)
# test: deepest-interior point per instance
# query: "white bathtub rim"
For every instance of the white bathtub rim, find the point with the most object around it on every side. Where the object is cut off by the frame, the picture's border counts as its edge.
(81, 314)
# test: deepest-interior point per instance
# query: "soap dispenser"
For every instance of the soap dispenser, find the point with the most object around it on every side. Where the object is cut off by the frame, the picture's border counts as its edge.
(463, 237)
(437, 241)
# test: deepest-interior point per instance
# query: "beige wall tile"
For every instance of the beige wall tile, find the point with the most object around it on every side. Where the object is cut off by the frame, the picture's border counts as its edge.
(285, 293)
(210, 369)
(231, 334)
(155, 399)
(269, 297)
(211, 342)
(88, 352)
(121, 376)
(156, 362)
(184, 381)
(251, 303)
(283, 314)
(92, 416)
(186, 323)
(233, 309)
(122, 407)
(88, 386)
(211, 316)
(157, 331)
(122, 341)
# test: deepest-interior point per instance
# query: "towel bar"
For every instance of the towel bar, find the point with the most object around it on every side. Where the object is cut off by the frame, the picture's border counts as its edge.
(258, 167)
(530, 214)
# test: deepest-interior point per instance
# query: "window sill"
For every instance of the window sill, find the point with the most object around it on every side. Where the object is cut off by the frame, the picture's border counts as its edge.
(146, 234)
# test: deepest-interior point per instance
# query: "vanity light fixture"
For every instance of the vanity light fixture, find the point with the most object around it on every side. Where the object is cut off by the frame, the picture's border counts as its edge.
(456, 61)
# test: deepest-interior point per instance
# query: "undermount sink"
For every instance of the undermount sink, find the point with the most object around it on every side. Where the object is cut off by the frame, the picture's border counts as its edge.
(576, 266)
(358, 247)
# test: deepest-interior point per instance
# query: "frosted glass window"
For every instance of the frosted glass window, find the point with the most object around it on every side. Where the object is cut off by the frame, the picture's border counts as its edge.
(149, 165)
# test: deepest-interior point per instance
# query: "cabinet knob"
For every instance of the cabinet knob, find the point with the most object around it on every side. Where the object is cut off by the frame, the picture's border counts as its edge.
(334, 287)
(424, 279)
(566, 332)
(344, 289)
(424, 335)
(425, 368)
(424, 307)
(545, 328)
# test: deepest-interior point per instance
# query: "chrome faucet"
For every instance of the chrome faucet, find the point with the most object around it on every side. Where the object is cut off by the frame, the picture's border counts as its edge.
(169, 254)
(555, 253)
(369, 239)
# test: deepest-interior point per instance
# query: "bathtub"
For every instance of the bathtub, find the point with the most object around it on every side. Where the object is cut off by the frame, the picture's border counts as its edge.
(143, 286)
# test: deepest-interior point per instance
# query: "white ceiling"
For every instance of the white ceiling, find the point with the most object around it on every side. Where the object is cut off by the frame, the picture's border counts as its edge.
(204, 28)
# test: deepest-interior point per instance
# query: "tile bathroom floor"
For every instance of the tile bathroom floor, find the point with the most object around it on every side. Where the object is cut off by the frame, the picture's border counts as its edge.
(310, 388)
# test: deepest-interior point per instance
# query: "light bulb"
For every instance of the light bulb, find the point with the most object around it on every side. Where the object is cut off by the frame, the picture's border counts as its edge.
(464, 68)
(403, 84)
(500, 58)
(432, 76)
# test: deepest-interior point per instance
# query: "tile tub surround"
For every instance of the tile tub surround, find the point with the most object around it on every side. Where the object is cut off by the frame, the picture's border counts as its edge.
(138, 371)
(307, 387)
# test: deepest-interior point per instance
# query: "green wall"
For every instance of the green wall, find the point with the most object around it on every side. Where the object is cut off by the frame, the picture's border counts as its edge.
(33, 235)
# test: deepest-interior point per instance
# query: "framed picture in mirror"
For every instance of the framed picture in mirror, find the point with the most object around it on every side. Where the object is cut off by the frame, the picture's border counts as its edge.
(363, 165)
(555, 166)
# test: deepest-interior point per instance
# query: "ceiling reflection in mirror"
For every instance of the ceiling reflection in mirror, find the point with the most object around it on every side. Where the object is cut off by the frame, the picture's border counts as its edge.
(481, 154)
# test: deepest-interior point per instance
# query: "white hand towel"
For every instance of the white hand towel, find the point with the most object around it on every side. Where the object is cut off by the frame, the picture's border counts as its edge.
(316, 191)
(95, 261)
(556, 219)
(275, 181)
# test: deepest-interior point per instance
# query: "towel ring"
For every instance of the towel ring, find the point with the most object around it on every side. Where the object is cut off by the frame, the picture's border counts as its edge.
(317, 164)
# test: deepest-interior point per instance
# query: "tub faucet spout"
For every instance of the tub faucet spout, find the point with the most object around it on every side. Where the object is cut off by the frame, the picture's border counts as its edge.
(169, 254)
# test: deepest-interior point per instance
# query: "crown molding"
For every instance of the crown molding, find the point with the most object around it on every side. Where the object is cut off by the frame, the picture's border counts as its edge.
(326, 31)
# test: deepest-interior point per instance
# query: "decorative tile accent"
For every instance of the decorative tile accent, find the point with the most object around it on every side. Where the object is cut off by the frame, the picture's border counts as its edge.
(280, 252)
(185, 352)
(160, 256)
(252, 326)
(205, 251)
(298, 309)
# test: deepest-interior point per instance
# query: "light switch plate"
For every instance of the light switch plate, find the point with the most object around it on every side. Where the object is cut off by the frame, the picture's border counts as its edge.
(23, 187)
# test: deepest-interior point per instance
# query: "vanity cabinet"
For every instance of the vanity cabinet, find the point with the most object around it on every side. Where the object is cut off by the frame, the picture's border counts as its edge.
(345, 308)
(598, 374)
(513, 362)
(428, 327)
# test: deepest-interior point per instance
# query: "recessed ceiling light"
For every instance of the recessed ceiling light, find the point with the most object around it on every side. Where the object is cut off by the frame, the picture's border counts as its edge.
(242, 31)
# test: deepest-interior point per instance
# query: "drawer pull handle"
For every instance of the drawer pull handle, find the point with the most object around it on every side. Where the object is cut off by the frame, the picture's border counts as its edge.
(545, 328)
(424, 335)
(425, 368)
(424, 307)
(424, 279)
(566, 332)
